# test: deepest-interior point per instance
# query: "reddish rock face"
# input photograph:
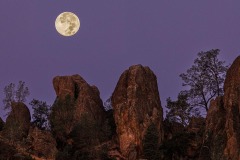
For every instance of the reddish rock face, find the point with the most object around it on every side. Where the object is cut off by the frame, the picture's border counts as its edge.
(232, 107)
(18, 122)
(136, 105)
(85, 99)
(214, 139)
(42, 143)
(222, 134)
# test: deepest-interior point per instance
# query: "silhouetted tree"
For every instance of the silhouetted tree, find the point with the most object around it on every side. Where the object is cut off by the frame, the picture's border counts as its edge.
(15, 95)
(205, 78)
(40, 114)
(180, 110)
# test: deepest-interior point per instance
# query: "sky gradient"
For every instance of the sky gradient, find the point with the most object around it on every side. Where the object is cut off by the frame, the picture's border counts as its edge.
(164, 35)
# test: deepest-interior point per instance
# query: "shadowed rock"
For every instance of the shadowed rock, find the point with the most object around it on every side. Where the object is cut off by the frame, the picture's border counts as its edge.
(87, 97)
(232, 107)
(1, 124)
(18, 122)
(136, 105)
(42, 143)
(76, 100)
(222, 136)
(214, 140)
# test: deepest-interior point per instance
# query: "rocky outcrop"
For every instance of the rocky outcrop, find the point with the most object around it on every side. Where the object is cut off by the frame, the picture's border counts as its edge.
(87, 98)
(76, 101)
(136, 105)
(222, 135)
(214, 139)
(18, 122)
(42, 143)
(195, 128)
(232, 107)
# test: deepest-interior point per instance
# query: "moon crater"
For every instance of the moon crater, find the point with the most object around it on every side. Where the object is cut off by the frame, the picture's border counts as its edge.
(67, 24)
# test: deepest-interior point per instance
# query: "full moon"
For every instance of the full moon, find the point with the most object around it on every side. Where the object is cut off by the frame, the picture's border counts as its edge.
(67, 24)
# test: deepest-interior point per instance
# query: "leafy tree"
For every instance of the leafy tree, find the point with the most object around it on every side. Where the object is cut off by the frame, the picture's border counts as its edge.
(205, 78)
(180, 110)
(22, 92)
(40, 114)
(15, 95)
(150, 143)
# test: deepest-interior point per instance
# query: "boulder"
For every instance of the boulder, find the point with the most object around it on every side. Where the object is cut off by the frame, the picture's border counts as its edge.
(87, 98)
(76, 101)
(42, 143)
(18, 122)
(136, 104)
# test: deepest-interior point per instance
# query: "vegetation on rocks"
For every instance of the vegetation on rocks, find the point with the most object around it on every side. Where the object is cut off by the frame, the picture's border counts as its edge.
(129, 125)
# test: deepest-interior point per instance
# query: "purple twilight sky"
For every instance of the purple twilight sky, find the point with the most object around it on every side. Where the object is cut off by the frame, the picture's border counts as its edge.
(164, 35)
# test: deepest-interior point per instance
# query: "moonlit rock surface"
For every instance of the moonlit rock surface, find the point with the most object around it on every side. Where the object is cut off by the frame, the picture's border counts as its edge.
(136, 105)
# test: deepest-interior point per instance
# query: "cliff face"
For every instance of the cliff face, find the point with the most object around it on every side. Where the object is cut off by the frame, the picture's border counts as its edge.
(136, 105)
(222, 134)
(232, 107)
(214, 139)
(76, 101)
(87, 98)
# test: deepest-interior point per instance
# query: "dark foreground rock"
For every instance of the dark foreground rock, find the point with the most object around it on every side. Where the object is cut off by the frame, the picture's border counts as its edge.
(18, 122)
(42, 143)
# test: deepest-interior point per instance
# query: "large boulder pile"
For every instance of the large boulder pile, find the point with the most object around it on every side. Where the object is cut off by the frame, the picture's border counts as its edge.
(136, 105)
